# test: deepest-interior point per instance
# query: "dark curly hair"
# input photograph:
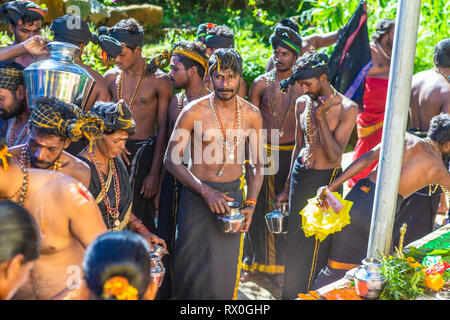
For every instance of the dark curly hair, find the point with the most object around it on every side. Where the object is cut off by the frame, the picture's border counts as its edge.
(383, 27)
(226, 59)
(440, 128)
(221, 30)
(442, 53)
(310, 60)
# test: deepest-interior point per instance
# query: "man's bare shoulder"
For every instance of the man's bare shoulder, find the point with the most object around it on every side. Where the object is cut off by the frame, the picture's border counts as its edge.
(112, 74)
(300, 103)
(252, 110)
(195, 109)
(348, 105)
(77, 168)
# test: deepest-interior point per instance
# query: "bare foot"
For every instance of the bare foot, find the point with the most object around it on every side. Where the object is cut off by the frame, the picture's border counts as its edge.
(245, 276)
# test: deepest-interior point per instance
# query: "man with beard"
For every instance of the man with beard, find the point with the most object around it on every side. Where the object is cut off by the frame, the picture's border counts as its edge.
(369, 124)
(188, 69)
(424, 164)
(13, 107)
(263, 250)
(324, 121)
(25, 21)
(68, 219)
(53, 125)
(216, 37)
(147, 92)
(217, 128)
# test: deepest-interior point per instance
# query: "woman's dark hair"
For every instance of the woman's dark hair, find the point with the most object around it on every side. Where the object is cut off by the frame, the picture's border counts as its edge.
(440, 128)
(121, 253)
(19, 233)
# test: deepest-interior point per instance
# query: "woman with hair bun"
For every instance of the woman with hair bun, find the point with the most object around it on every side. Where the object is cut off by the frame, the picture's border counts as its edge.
(117, 267)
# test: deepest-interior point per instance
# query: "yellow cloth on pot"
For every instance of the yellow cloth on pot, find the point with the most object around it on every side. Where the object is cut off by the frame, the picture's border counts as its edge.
(321, 223)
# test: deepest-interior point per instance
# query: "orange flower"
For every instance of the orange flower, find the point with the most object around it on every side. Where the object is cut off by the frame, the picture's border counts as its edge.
(119, 287)
(434, 281)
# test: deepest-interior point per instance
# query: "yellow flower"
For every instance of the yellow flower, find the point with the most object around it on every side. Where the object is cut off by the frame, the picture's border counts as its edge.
(413, 263)
(119, 287)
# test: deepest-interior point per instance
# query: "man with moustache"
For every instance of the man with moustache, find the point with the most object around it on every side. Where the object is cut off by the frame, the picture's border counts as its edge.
(424, 164)
(369, 124)
(67, 217)
(215, 37)
(188, 69)
(13, 106)
(217, 128)
(264, 251)
(147, 92)
(324, 121)
(25, 21)
(53, 125)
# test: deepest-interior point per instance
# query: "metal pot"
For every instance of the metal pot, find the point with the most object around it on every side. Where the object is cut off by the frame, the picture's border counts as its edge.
(231, 223)
(159, 251)
(276, 220)
(157, 270)
(369, 281)
(59, 76)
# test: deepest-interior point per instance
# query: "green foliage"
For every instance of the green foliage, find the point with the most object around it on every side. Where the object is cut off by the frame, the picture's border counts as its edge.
(403, 282)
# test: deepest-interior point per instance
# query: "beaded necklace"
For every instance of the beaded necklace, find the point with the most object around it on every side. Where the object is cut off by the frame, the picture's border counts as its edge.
(237, 130)
(278, 117)
(136, 90)
(25, 159)
(111, 213)
(181, 104)
(11, 137)
(22, 191)
(436, 149)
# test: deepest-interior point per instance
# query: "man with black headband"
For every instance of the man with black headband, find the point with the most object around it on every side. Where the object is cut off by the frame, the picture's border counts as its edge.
(324, 120)
(13, 105)
(263, 250)
(314, 41)
(216, 127)
(25, 20)
(188, 70)
(147, 92)
(424, 165)
(216, 37)
(369, 124)
(73, 29)
(53, 125)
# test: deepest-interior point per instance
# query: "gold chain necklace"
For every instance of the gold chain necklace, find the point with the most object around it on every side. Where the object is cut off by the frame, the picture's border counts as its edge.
(436, 149)
(136, 90)
(270, 85)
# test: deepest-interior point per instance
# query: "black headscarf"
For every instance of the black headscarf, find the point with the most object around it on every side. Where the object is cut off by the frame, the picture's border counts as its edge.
(286, 38)
(307, 71)
(11, 75)
(110, 40)
(14, 11)
(71, 28)
(115, 116)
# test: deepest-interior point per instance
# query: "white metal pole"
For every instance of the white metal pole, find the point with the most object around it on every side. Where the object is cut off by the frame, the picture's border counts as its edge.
(395, 121)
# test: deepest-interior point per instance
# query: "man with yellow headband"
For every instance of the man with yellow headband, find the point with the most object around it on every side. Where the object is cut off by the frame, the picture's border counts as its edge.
(188, 70)
(53, 125)
(68, 218)
(263, 249)
(147, 92)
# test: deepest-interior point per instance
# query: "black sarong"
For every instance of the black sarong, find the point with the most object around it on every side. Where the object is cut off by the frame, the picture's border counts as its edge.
(167, 222)
(263, 250)
(95, 187)
(207, 261)
(75, 147)
(304, 256)
(140, 163)
(349, 246)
